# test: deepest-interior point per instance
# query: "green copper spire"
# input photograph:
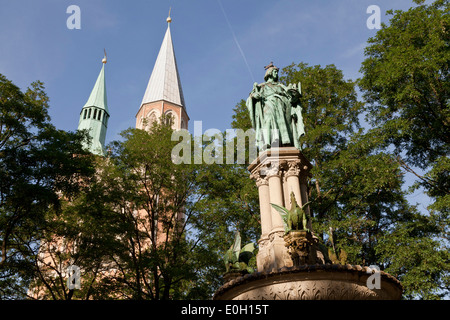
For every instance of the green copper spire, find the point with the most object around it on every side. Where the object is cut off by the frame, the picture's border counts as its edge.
(94, 115)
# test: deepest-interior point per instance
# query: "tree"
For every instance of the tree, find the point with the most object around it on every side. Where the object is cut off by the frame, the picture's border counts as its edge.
(81, 235)
(38, 166)
(154, 204)
(140, 229)
(227, 200)
(141, 206)
(405, 83)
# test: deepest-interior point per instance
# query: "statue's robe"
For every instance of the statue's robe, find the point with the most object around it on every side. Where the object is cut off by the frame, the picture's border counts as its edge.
(271, 115)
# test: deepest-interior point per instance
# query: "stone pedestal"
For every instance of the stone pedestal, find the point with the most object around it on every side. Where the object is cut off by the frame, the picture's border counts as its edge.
(312, 282)
(278, 172)
(303, 248)
(290, 265)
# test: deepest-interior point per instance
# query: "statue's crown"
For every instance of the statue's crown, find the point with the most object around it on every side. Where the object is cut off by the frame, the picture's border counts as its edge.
(269, 66)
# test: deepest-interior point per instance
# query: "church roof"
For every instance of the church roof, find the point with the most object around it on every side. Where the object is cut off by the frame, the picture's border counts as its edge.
(164, 83)
(98, 94)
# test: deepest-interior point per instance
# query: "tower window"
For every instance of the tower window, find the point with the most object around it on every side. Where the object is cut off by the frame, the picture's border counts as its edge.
(89, 113)
(84, 113)
(152, 118)
(95, 114)
(169, 119)
(99, 115)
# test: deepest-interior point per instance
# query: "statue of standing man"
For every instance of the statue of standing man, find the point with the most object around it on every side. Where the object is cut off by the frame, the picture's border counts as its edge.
(275, 112)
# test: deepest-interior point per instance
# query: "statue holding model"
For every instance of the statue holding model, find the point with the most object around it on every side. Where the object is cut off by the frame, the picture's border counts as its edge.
(275, 112)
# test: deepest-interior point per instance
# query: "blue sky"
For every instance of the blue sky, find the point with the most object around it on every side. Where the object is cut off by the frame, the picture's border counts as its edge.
(221, 47)
(37, 45)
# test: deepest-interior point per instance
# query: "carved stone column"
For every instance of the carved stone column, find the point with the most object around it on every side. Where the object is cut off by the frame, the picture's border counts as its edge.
(278, 251)
(265, 209)
(274, 173)
(277, 173)
(264, 204)
(304, 194)
(292, 181)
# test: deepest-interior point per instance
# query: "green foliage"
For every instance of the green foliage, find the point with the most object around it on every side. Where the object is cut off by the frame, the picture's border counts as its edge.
(405, 83)
(38, 167)
(227, 201)
(412, 253)
(153, 204)
(129, 229)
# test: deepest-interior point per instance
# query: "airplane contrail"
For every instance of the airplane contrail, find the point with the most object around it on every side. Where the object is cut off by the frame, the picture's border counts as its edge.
(236, 40)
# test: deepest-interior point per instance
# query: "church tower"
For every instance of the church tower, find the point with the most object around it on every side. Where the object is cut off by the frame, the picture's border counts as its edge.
(94, 115)
(164, 95)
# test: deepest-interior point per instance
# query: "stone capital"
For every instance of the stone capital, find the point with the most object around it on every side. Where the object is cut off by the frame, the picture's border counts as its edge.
(271, 169)
(292, 169)
(261, 180)
(255, 176)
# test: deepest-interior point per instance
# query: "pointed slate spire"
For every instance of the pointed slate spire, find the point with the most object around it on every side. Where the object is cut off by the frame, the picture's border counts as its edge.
(94, 115)
(164, 83)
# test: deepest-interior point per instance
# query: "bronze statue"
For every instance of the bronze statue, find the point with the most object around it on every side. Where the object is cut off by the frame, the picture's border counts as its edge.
(275, 112)
(237, 259)
(295, 218)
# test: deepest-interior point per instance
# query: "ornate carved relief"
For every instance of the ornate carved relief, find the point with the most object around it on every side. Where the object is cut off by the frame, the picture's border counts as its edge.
(262, 181)
(311, 282)
(312, 290)
(272, 168)
(292, 169)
